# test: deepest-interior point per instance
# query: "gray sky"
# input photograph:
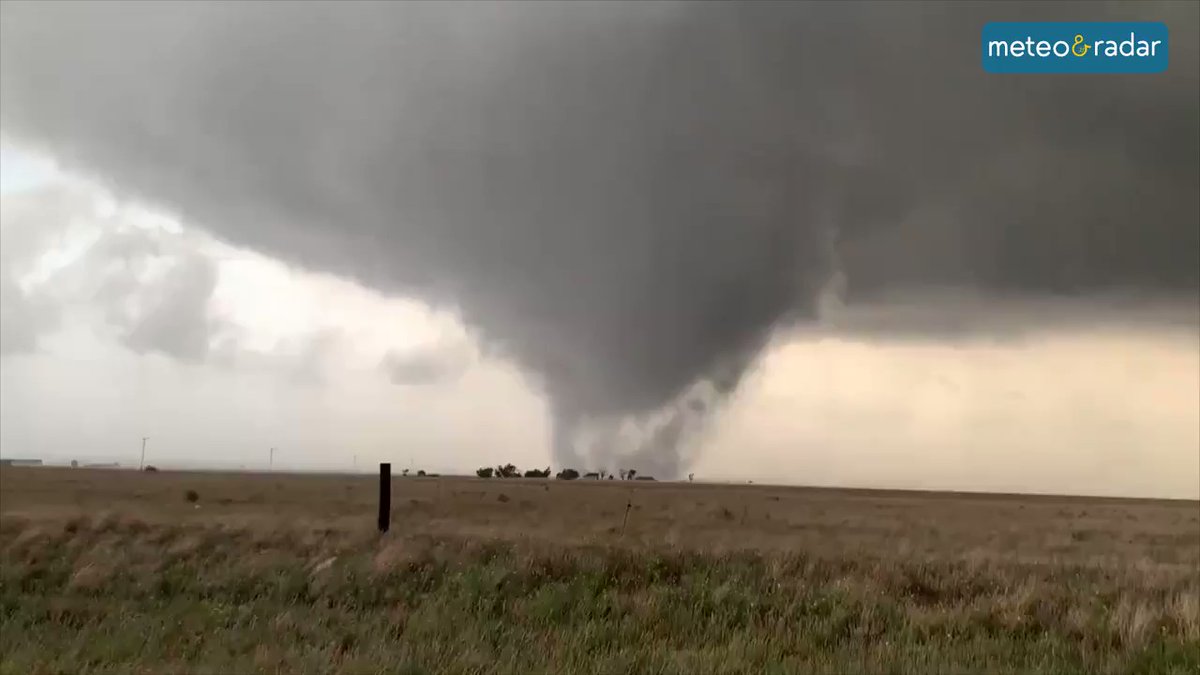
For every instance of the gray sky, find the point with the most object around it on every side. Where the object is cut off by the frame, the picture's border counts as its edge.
(606, 216)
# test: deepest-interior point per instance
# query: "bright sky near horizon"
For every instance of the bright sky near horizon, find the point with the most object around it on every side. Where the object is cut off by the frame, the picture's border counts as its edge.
(335, 375)
(301, 361)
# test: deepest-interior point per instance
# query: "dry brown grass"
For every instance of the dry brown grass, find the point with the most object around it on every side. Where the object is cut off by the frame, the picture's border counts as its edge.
(1157, 535)
(703, 578)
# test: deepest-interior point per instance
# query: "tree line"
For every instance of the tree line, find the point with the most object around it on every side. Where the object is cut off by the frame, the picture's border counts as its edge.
(511, 471)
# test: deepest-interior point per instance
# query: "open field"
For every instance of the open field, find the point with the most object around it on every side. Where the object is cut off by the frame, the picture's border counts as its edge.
(115, 572)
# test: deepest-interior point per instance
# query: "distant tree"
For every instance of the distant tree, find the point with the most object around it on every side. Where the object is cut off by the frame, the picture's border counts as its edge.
(691, 476)
(592, 474)
(420, 472)
(534, 473)
(484, 472)
(74, 464)
(507, 471)
(644, 478)
(630, 474)
(623, 472)
(567, 474)
(610, 476)
(404, 472)
(151, 467)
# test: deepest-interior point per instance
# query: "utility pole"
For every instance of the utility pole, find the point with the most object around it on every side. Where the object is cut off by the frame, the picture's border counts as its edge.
(142, 465)
(271, 463)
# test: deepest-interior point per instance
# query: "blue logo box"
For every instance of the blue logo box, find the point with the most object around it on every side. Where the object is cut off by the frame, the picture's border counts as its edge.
(1075, 47)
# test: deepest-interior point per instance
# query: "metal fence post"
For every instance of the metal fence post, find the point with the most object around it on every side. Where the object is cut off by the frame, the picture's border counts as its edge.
(385, 496)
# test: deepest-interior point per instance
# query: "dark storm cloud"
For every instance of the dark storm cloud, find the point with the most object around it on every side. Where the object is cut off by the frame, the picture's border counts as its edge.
(626, 198)
(426, 365)
(954, 316)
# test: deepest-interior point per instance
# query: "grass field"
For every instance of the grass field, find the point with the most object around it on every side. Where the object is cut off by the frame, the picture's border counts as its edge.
(116, 572)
